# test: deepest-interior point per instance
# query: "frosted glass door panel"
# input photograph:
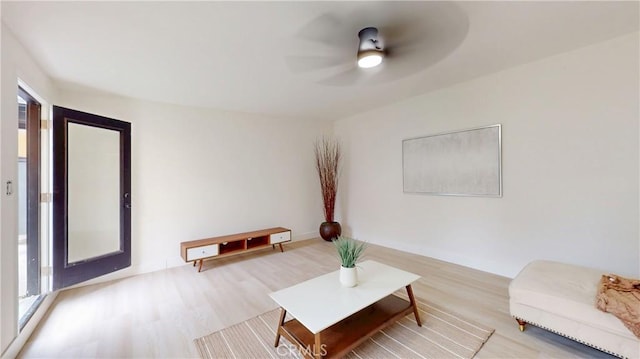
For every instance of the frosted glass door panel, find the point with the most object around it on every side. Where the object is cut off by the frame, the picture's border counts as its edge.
(93, 192)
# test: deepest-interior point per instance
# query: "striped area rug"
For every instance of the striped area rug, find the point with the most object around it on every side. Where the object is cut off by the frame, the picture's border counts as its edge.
(442, 335)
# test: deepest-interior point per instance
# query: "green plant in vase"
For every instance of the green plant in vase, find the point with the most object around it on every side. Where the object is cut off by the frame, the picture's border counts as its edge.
(350, 251)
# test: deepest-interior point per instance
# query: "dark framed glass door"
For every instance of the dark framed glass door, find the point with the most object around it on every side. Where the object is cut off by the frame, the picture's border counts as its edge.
(91, 196)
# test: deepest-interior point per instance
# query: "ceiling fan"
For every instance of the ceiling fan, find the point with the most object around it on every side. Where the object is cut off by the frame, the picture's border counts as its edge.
(370, 51)
(378, 42)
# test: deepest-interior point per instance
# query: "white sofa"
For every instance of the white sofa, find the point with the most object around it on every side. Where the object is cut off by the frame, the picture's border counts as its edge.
(561, 298)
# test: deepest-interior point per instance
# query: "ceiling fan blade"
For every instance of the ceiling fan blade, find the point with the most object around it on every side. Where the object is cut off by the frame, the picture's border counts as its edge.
(299, 64)
(416, 53)
(353, 76)
(345, 78)
(407, 33)
(402, 66)
(391, 69)
(330, 30)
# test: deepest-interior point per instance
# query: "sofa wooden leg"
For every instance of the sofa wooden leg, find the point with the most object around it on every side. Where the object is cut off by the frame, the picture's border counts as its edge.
(521, 324)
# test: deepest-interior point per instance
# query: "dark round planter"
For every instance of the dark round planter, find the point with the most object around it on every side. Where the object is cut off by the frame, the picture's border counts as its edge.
(330, 230)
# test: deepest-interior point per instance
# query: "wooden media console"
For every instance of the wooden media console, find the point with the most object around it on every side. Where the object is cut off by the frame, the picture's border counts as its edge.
(217, 247)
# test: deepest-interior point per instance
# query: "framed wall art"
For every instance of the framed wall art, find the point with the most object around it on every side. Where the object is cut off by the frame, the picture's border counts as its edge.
(460, 163)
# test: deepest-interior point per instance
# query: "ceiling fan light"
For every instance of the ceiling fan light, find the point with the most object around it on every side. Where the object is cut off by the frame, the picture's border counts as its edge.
(369, 58)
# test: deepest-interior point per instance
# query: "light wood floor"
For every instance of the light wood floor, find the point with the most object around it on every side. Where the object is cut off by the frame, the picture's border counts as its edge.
(159, 314)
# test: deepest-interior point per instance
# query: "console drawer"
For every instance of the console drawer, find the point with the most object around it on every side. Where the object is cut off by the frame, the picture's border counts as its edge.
(202, 252)
(280, 237)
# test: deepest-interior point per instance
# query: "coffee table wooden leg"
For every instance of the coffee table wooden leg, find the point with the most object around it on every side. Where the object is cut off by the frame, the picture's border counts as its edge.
(281, 250)
(412, 300)
(283, 314)
(317, 348)
(200, 266)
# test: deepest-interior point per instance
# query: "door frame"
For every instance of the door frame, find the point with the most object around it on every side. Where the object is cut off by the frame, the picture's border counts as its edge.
(33, 115)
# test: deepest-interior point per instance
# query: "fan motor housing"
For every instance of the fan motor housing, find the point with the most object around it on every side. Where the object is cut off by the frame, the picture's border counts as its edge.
(369, 39)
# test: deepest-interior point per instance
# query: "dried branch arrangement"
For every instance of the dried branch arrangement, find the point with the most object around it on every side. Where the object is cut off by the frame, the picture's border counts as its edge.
(327, 163)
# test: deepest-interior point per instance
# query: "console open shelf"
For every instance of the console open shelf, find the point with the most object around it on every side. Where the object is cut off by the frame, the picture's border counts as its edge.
(255, 242)
(230, 247)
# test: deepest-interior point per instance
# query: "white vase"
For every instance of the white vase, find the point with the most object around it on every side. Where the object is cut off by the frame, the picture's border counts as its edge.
(348, 277)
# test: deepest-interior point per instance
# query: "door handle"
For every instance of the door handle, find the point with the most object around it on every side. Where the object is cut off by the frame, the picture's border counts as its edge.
(127, 204)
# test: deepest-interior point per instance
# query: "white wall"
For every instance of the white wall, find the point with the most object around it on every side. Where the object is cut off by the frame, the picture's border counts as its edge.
(198, 173)
(16, 64)
(570, 166)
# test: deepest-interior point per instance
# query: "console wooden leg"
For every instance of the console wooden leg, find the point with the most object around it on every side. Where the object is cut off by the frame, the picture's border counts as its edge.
(317, 348)
(412, 300)
(281, 250)
(283, 314)
(200, 266)
(521, 324)
(194, 263)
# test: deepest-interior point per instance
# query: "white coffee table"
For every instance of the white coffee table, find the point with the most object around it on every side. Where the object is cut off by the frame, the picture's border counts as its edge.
(331, 320)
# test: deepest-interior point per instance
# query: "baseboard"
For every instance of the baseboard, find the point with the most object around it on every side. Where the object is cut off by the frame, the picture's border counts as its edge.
(304, 236)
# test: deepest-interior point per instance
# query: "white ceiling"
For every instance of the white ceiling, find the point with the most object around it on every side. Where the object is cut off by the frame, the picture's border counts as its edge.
(257, 57)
